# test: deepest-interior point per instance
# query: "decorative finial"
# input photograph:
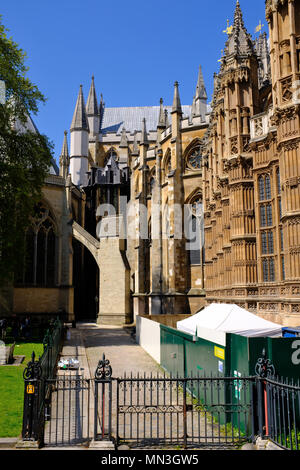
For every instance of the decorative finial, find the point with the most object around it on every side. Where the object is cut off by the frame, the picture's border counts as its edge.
(259, 27)
(228, 30)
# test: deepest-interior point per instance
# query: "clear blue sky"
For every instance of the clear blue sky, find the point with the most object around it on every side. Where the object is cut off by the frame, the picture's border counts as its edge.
(136, 50)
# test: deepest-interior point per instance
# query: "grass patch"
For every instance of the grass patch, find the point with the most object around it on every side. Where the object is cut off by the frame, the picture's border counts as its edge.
(12, 390)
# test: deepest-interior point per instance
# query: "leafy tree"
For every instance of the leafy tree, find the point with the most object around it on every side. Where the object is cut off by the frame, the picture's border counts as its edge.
(25, 155)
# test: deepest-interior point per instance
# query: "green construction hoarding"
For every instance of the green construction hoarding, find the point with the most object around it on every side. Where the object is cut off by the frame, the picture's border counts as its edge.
(184, 355)
(189, 356)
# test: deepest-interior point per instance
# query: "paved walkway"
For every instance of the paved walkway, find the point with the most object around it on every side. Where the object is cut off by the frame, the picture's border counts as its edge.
(119, 347)
(73, 406)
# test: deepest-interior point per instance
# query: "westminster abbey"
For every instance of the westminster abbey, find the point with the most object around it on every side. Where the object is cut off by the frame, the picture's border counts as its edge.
(165, 209)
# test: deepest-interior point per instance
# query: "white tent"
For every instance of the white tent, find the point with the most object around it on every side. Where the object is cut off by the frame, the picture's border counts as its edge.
(229, 319)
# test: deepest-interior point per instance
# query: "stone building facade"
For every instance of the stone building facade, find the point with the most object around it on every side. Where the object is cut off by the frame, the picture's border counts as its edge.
(251, 171)
(139, 184)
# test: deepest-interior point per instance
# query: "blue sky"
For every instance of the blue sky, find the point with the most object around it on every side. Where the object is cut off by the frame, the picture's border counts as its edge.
(136, 50)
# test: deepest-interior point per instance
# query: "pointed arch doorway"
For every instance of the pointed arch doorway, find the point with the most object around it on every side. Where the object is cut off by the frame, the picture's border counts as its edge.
(86, 283)
(86, 274)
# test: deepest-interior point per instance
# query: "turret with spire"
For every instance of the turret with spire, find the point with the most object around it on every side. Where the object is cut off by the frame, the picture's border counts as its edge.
(79, 142)
(92, 111)
(239, 41)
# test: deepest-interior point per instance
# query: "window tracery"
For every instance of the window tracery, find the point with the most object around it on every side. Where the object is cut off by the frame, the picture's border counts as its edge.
(194, 158)
(39, 267)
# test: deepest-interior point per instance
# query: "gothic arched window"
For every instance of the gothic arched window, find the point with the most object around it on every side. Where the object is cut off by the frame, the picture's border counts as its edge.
(196, 231)
(39, 268)
(167, 165)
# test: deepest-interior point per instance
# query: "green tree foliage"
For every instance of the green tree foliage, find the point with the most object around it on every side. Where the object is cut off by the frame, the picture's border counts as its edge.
(25, 155)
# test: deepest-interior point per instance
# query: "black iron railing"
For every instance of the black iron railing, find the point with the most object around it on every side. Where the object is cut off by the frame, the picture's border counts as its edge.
(278, 406)
(190, 412)
(163, 410)
(283, 412)
(37, 392)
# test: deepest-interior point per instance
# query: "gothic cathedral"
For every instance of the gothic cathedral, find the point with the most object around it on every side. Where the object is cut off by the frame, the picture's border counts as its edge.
(161, 210)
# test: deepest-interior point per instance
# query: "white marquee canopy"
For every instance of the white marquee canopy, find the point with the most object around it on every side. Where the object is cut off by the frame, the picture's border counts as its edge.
(228, 318)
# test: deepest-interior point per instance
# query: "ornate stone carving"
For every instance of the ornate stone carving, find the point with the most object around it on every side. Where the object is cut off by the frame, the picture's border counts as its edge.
(286, 90)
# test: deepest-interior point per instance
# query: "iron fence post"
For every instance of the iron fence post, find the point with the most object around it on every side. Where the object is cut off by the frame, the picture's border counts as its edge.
(252, 408)
(103, 376)
(96, 411)
(263, 369)
(32, 375)
(184, 415)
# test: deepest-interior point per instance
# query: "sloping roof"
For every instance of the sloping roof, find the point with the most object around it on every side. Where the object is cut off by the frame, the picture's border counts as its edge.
(114, 119)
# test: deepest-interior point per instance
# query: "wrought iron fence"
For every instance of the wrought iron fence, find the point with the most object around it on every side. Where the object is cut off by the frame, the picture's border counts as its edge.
(162, 410)
(191, 412)
(283, 412)
(37, 391)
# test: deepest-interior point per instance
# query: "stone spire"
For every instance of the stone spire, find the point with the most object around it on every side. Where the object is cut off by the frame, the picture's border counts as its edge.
(93, 114)
(144, 136)
(80, 120)
(176, 101)
(239, 41)
(200, 89)
(161, 119)
(199, 107)
(92, 104)
(64, 159)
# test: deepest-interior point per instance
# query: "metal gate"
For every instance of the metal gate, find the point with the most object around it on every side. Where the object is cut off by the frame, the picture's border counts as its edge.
(67, 411)
(145, 411)
(78, 410)
(190, 412)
